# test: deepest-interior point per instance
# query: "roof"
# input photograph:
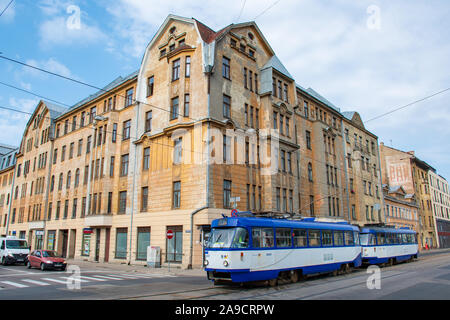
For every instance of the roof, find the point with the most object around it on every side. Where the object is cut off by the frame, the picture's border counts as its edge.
(276, 64)
(348, 114)
(311, 92)
(7, 156)
(117, 82)
(268, 222)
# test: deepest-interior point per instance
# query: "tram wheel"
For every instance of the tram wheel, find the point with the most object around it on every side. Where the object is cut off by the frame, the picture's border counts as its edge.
(294, 276)
(273, 282)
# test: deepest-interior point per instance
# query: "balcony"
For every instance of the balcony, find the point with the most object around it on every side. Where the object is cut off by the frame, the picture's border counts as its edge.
(98, 220)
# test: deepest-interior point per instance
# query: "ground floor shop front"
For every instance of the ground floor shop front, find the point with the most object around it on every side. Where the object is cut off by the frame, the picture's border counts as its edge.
(125, 239)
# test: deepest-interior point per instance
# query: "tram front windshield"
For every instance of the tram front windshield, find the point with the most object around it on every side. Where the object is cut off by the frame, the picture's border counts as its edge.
(367, 239)
(228, 238)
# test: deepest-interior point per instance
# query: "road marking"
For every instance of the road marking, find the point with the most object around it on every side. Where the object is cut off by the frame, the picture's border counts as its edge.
(74, 279)
(14, 284)
(110, 278)
(39, 283)
(91, 278)
(55, 280)
(122, 276)
(156, 275)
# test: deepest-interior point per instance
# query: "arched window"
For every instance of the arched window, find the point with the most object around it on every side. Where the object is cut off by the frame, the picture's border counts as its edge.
(77, 177)
(52, 184)
(69, 176)
(310, 172)
(60, 182)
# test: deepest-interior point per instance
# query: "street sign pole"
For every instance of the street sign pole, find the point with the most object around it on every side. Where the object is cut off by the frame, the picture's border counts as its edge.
(169, 235)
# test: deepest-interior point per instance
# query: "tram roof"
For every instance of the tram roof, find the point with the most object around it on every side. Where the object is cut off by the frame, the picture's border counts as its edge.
(386, 230)
(280, 223)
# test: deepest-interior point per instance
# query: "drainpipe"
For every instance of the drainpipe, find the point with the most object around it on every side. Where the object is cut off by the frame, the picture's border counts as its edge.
(133, 193)
(344, 143)
(192, 235)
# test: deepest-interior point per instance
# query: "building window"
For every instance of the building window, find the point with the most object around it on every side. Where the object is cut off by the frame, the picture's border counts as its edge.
(114, 133)
(126, 130)
(121, 243)
(311, 205)
(175, 245)
(278, 199)
(124, 165)
(177, 151)
(275, 120)
(144, 200)
(122, 202)
(286, 97)
(188, 67)
(174, 109)
(146, 161)
(186, 105)
(226, 194)
(310, 172)
(227, 106)
(129, 97)
(148, 121)
(150, 86)
(176, 194)
(143, 241)
(308, 140)
(226, 68)
(176, 70)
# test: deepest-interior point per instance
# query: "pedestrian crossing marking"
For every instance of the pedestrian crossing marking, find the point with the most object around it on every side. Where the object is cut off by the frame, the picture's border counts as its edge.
(110, 278)
(26, 283)
(15, 284)
(39, 283)
(55, 280)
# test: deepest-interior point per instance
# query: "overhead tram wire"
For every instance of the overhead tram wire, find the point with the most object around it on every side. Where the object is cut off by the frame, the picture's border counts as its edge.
(242, 10)
(267, 9)
(6, 8)
(408, 105)
(91, 86)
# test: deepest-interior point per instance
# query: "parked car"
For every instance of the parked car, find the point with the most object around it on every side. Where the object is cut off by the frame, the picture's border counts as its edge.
(46, 259)
(13, 250)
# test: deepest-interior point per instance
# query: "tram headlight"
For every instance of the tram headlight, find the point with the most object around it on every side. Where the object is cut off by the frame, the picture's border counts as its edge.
(225, 263)
(206, 262)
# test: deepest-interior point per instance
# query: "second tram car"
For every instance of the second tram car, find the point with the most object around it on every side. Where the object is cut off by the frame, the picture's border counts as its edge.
(244, 249)
(388, 245)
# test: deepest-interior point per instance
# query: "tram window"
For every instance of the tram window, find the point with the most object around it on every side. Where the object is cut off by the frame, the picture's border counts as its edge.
(398, 238)
(338, 238)
(283, 237)
(256, 238)
(240, 238)
(404, 240)
(327, 238)
(300, 239)
(410, 238)
(381, 239)
(389, 238)
(314, 238)
(262, 237)
(349, 238)
(356, 237)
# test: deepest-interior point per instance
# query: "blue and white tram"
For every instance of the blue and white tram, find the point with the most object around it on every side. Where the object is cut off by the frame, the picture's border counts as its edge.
(388, 245)
(243, 249)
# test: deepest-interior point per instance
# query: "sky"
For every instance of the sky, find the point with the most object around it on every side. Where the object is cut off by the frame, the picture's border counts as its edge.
(366, 56)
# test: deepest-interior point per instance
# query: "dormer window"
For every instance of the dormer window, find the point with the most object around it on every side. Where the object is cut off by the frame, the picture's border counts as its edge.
(172, 47)
(173, 29)
(251, 36)
(251, 53)
(181, 43)
(242, 47)
(233, 43)
(163, 52)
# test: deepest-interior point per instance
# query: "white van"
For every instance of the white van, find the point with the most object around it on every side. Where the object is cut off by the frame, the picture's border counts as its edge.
(13, 250)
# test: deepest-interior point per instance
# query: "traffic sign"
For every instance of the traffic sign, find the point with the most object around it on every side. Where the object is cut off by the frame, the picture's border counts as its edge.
(169, 234)
(234, 213)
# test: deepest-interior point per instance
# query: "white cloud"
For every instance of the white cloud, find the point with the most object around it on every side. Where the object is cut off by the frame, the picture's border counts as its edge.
(56, 32)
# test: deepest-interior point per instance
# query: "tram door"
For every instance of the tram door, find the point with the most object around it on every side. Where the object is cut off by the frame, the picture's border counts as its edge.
(262, 259)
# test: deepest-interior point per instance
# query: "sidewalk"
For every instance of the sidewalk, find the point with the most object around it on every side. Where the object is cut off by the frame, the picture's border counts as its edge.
(174, 270)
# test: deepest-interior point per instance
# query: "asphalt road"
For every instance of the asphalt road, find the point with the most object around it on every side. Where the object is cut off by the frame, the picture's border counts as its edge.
(426, 278)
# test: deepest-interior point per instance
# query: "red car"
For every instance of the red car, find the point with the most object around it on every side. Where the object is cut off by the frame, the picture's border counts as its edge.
(46, 259)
